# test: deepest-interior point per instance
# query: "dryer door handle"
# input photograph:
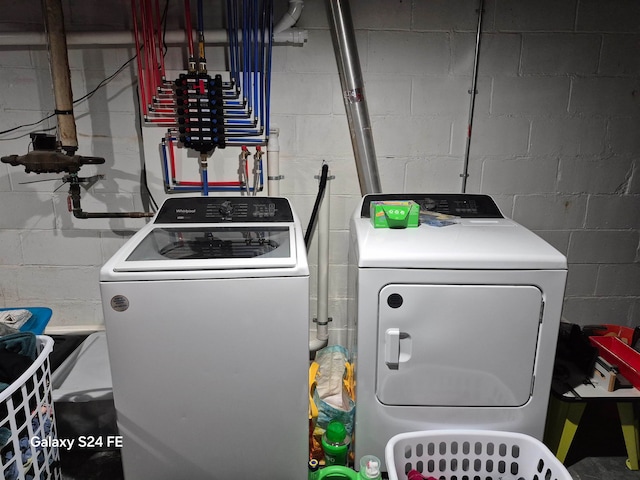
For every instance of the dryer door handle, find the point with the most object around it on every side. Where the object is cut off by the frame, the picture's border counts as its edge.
(392, 348)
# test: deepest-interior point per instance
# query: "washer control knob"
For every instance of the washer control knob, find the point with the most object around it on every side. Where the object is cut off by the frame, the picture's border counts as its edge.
(226, 208)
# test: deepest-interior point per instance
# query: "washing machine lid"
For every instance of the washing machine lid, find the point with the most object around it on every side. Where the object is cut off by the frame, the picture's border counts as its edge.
(479, 238)
(214, 233)
(211, 246)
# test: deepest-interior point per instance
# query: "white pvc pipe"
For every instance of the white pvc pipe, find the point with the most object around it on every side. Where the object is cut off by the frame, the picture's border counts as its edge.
(290, 18)
(172, 37)
(323, 262)
(322, 325)
(273, 163)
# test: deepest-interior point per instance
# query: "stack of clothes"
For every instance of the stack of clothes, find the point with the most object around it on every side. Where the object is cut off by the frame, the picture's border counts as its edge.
(18, 351)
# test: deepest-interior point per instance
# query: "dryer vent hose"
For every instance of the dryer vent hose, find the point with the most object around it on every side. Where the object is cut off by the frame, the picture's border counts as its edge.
(314, 214)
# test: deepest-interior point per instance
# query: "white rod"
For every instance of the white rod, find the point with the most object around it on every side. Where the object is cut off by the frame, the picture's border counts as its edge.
(472, 100)
(323, 263)
(273, 163)
(172, 37)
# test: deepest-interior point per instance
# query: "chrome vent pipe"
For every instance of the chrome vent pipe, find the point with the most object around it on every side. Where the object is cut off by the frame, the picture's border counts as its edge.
(355, 102)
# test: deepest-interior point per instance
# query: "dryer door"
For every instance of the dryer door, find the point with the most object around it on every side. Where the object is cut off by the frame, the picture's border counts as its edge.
(457, 345)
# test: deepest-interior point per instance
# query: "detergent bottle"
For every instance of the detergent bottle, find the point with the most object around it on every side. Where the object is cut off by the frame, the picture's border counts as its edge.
(335, 443)
(370, 468)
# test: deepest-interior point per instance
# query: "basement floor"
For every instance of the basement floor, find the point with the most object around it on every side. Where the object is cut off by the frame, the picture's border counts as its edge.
(597, 453)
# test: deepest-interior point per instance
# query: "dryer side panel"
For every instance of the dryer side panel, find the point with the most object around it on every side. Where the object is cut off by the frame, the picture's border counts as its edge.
(457, 345)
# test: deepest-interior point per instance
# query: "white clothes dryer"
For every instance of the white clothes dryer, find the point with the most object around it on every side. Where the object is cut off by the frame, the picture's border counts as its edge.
(455, 326)
(206, 311)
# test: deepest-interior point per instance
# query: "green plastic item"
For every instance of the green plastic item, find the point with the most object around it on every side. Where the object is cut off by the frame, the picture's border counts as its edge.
(394, 214)
(337, 472)
(335, 443)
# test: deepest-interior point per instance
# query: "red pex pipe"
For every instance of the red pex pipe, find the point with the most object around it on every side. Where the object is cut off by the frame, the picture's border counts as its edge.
(148, 52)
(187, 26)
(172, 159)
(212, 184)
(152, 48)
(169, 122)
(160, 52)
(141, 84)
(151, 42)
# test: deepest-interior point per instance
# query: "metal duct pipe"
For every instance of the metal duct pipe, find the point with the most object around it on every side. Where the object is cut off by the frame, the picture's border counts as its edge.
(355, 102)
(60, 74)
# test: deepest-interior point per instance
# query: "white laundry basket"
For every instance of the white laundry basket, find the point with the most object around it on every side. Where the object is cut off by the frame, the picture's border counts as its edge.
(26, 414)
(472, 455)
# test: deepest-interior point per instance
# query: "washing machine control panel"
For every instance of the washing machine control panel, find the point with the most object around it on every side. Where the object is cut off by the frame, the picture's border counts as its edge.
(460, 205)
(225, 210)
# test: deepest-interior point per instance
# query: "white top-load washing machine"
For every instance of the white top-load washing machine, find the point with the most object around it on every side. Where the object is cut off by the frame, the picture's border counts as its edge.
(456, 326)
(206, 312)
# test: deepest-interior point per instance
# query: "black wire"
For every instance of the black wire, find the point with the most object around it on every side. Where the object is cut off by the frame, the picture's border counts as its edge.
(85, 97)
(144, 165)
(27, 125)
(316, 206)
(105, 81)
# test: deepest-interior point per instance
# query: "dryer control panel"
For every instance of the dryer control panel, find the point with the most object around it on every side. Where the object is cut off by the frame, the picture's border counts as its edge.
(225, 210)
(461, 205)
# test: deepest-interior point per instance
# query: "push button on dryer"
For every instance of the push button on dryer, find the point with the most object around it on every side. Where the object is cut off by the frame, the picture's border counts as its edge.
(395, 300)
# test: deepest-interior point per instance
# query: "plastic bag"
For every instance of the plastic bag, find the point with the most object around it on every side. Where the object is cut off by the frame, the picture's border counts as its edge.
(331, 393)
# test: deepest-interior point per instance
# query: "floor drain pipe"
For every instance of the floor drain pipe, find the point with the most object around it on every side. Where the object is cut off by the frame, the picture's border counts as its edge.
(355, 102)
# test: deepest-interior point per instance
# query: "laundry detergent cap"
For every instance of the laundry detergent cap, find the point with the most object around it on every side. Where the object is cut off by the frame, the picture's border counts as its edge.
(336, 433)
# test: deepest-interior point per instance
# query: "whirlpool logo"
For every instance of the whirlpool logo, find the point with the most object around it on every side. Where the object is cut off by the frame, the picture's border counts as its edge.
(185, 210)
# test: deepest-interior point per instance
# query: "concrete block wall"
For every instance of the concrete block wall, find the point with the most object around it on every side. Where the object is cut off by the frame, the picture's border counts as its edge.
(554, 137)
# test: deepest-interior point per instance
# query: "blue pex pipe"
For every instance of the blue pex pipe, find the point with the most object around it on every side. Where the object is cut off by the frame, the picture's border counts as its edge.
(267, 73)
(205, 182)
(200, 17)
(232, 38)
(165, 162)
(256, 50)
(238, 142)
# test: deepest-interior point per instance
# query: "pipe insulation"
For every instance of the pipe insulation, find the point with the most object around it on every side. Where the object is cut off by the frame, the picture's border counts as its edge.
(355, 102)
(60, 74)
